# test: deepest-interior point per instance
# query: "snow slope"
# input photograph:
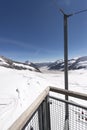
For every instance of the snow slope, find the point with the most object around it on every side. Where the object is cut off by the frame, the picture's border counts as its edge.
(19, 88)
(6, 62)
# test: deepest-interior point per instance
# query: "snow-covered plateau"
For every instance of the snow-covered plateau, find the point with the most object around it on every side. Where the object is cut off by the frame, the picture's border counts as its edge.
(20, 88)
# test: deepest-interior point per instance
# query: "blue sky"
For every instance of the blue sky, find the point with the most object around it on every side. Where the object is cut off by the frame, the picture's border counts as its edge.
(33, 29)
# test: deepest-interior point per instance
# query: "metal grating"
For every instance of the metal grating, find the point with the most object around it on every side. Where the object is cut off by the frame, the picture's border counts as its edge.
(40, 119)
(57, 114)
(77, 118)
(33, 123)
(77, 115)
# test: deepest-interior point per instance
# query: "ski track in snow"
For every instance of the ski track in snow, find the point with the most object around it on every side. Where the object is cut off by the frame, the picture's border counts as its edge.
(19, 88)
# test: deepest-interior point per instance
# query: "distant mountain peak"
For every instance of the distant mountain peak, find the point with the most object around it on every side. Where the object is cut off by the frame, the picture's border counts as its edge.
(28, 62)
(73, 64)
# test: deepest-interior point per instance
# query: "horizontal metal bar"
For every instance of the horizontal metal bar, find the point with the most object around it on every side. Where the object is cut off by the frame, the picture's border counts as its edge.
(22, 120)
(69, 93)
(68, 102)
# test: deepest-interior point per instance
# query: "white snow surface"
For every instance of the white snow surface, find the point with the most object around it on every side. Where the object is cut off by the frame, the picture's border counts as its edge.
(2, 62)
(82, 63)
(24, 66)
(20, 88)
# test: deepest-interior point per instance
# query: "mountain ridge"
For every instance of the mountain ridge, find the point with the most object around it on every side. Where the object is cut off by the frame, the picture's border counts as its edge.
(8, 63)
(73, 64)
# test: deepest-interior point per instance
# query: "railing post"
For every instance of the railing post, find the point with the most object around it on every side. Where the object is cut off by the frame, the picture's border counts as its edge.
(44, 115)
(48, 113)
(40, 117)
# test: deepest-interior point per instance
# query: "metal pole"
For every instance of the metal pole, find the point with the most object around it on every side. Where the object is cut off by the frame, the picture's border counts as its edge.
(66, 52)
(66, 127)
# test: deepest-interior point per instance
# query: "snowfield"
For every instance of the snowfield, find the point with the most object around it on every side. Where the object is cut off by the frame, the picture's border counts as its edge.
(24, 66)
(20, 88)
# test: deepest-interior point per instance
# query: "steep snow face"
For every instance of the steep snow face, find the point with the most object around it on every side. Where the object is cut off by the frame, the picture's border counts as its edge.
(32, 65)
(81, 62)
(24, 66)
(59, 64)
(84, 58)
(17, 65)
(2, 61)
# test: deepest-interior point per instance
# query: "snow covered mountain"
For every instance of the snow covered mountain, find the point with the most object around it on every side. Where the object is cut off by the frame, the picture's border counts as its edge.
(79, 63)
(32, 64)
(6, 62)
(73, 64)
(58, 65)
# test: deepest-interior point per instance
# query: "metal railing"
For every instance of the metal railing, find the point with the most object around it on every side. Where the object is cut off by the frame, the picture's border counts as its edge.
(48, 112)
(77, 115)
(32, 124)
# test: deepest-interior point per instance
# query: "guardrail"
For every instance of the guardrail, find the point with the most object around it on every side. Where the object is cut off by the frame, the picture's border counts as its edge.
(48, 113)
